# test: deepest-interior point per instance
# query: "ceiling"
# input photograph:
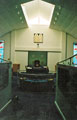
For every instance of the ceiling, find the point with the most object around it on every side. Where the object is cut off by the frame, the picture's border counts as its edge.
(64, 16)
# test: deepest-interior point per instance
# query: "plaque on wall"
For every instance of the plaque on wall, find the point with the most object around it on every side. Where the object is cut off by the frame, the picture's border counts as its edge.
(38, 38)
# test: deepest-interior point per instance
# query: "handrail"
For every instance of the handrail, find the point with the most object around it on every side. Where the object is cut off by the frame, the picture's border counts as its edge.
(67, 59)
(5, 60)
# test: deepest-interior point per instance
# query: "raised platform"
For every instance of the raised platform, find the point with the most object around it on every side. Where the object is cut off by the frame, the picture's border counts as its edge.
(36, 75)
(36, 82)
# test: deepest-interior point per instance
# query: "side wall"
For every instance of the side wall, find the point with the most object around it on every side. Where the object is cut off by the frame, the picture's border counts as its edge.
(5, 94)
(70, 41)
(7, 45)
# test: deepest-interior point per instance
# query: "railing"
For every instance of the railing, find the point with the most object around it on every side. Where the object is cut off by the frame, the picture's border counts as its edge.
(3, 60)
(68, 61)
(66, 88)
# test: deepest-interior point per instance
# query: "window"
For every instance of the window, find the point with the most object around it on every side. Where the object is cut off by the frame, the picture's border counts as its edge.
(75, 52)
(1, 50)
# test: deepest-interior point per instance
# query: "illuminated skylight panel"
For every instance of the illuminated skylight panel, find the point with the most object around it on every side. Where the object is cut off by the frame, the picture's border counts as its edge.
(43, 21)
(38, 12)
(33, 21)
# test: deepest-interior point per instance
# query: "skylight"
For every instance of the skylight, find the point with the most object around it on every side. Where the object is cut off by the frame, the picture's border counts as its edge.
(38, 12)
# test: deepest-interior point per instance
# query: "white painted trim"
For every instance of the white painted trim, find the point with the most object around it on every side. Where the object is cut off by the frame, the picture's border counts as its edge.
(60, 110)
(5, 105)
(38, 49)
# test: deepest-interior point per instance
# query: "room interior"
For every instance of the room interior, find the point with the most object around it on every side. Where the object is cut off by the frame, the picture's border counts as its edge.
(35, 30)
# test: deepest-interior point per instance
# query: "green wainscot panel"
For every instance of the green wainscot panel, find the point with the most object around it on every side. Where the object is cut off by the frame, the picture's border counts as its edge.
(5, 84)
(66, 91)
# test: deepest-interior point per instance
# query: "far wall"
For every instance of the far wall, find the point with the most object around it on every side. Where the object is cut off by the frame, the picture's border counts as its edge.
(24, 42)
(19, 42)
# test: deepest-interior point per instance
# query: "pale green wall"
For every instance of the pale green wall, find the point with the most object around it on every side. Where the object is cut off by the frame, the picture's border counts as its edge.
(53, 58)
(22, 59)
(70, 41)
(51, 38)
(52, 42)
(63, 54)
(19, 42)
(13, 46)
(67, 45)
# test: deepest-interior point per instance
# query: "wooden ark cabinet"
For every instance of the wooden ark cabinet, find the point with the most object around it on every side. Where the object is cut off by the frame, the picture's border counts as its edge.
(16, 67)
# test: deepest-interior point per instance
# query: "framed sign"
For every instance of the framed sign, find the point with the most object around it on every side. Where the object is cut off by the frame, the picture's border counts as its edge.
(38, 38)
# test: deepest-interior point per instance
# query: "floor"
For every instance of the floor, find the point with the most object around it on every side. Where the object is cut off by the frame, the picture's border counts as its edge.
(31, 106)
